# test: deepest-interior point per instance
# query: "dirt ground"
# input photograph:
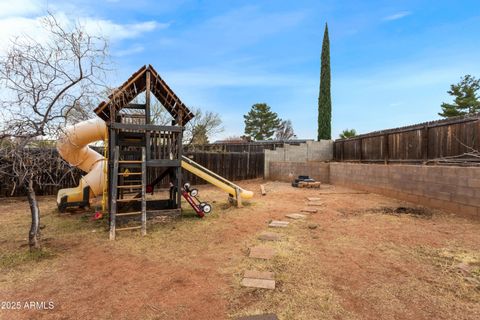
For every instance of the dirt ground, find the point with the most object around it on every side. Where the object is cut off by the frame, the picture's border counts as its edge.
(362, 256)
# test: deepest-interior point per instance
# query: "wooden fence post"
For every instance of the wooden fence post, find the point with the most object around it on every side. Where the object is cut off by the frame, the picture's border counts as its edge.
(386, 151)
(424, 145)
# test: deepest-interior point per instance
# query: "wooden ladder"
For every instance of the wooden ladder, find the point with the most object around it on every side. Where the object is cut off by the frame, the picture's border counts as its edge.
(114, 199)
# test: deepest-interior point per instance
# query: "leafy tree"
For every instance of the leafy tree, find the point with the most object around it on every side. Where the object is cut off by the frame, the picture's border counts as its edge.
(348, 133)
(285, 131)
(261, 122)
(324, 97)
(466, 98)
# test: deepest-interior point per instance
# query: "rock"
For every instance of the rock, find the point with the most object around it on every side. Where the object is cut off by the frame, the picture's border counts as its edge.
(313, 226)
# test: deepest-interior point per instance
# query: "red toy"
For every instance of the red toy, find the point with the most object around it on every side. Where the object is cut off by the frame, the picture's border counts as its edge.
(190, 194)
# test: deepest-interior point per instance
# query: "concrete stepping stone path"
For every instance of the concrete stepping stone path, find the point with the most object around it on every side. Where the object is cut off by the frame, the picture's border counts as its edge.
(262, 253)
(309, 210)
(258, 283)
(318, 204)
(266, 316)
(278, 224)
(295, 216)
(258, 279)
(270, 236)
(254, 274)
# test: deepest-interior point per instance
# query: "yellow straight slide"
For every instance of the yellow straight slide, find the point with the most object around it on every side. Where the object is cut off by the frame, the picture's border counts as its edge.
(213, 178)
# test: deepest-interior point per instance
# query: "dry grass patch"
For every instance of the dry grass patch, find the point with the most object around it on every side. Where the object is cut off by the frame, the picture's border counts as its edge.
(300, 292)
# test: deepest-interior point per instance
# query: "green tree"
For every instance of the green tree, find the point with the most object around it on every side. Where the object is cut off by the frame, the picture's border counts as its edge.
(466, 98)
(348, 133)
(261, 122)
(324, 96)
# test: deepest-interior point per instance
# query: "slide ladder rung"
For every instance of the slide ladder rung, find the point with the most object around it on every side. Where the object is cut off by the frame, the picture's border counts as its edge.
(128, 200)
(129, 186)
(130, 174)
(124, 189)
(128, 213)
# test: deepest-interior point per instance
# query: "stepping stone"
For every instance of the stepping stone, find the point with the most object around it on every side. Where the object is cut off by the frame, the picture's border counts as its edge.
(253, 274)
(258, 283)
(261, 253)
(266, 316)
(296, 216)
(313, 199)
(308, 210)
(315, 204)
(270, 236)
(278, 224)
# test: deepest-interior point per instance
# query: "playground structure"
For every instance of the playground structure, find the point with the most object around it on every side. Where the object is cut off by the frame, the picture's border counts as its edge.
(136, 151)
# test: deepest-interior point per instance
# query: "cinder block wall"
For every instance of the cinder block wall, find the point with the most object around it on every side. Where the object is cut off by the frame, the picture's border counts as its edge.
(454, 189)
(310, 151)
(287, 171)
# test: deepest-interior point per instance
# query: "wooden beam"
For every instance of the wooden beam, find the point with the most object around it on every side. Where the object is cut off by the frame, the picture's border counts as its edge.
(145, 127)
(135, 106)
(147, 97)
(163, 163)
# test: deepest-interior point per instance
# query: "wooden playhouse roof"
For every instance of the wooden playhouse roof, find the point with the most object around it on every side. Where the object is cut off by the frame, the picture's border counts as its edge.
(135, 85)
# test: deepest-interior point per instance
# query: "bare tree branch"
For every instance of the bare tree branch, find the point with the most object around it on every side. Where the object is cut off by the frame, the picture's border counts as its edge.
(44, 84)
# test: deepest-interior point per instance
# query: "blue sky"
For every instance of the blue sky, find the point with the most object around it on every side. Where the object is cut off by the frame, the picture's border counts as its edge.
(392, 61)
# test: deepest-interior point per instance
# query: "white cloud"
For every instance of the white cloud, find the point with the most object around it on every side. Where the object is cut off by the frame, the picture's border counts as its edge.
(115, 31)
(31, 26)
(396, 16)
(18, 8)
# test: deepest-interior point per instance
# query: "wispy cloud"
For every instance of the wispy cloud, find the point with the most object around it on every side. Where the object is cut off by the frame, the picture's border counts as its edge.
(19, 8)
(13, 26)
(396, 16)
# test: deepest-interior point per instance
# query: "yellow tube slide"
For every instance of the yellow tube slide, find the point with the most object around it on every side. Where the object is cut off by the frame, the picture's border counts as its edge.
(72, 146)
(214, 178)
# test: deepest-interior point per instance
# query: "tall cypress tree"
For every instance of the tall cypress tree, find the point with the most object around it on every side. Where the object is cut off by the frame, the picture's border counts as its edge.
(324, 97)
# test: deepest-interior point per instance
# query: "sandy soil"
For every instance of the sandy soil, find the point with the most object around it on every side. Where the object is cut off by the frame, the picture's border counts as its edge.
(355, 259)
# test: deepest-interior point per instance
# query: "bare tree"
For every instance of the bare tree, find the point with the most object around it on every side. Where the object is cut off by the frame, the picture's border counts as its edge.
(197, 131)
(44, 83)
(201, 127)
(285, 131)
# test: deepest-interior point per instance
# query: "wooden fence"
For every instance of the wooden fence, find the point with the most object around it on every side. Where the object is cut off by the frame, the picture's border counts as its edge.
(251, 147)
(450, 141)
(233, 166)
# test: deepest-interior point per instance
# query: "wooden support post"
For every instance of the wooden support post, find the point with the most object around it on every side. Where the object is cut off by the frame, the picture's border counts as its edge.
(264, 192)
(144, 202)
(238, 197)
(179, 150)
(113, 198)
(147, 113)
